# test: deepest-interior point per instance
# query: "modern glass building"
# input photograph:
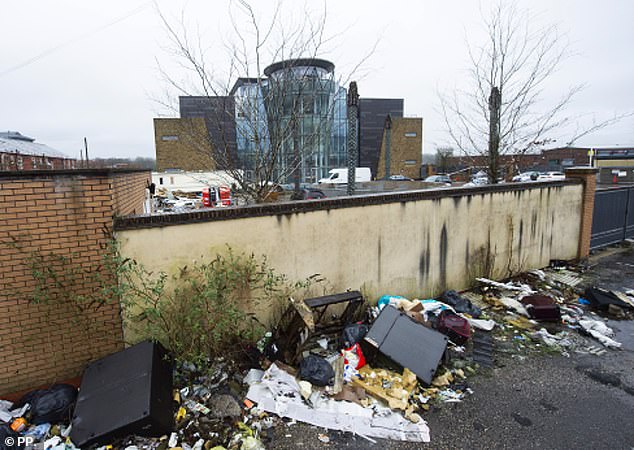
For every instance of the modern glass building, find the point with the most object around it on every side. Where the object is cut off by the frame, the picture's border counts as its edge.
(296, 114)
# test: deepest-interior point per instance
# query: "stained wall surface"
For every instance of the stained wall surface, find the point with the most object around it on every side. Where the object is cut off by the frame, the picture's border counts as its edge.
(415, 244)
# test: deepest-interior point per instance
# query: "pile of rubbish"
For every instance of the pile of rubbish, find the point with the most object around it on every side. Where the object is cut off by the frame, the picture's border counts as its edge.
(332, 361)
(547, 308)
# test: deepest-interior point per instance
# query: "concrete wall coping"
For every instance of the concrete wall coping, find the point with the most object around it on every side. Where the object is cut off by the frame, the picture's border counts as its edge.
(64, 172)
(302, 206)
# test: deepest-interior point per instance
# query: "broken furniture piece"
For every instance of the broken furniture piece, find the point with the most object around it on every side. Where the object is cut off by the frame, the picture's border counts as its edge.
(541, 307)
(305, 322)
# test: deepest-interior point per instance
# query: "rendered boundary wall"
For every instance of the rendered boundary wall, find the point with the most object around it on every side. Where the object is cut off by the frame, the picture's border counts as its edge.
(57, 214)
(415, 243)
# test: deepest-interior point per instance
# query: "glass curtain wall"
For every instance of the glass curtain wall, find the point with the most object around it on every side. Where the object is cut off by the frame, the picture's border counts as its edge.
(252, 136)
(298, 114)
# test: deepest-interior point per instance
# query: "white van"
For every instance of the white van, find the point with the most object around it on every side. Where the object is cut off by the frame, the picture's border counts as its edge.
(340, 176)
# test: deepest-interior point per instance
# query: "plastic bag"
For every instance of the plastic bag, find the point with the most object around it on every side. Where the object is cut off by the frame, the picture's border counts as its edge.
(51, 405)
(354, 356)
(393, 300)
(353, 333)
(316, 370)
(460, 304)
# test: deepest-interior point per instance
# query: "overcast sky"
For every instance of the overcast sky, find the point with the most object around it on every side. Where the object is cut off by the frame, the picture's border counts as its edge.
(71, 69)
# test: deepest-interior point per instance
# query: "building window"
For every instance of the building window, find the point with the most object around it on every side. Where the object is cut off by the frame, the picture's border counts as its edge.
(20, 163)
(568, 162)
(410, 162)
(410, 134)
(171, 180)
(170, 137)
(553, 162)
(161, 180)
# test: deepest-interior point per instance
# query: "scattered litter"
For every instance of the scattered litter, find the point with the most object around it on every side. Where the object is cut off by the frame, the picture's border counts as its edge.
(279, 393)
(517, 287)
(481, 324)
(515, 305)
(394, 389)
(552, 340)
(375, 378)
(600, 331)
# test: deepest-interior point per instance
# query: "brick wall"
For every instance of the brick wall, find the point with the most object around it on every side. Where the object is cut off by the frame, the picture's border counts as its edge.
(129, 192)
(406, 148)
(62, 218)
(588, 175)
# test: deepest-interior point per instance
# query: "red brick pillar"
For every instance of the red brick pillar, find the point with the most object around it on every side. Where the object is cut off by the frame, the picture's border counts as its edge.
(589, 177)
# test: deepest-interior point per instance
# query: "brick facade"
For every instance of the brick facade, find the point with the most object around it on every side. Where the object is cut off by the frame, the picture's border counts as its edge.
(406, 148)
(183, 144)
(64, 217)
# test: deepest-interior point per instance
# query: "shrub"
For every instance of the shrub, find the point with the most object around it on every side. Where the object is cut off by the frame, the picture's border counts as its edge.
(207, 309)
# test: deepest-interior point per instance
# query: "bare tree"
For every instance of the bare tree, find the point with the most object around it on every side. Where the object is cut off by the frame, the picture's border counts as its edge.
(504, 110)
(442, 158)
(264, 127)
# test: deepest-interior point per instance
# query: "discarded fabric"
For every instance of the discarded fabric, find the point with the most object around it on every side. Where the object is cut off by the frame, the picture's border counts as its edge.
(460, 304)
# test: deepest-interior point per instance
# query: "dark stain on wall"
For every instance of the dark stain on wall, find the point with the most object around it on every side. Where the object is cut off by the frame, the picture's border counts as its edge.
(521, 240)
(552, 228)
(466, 255)
(443, 257)
(424, 263)
(534, 224)
(378, 251)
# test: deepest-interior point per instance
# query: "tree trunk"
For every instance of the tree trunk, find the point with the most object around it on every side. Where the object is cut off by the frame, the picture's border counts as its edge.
(495, 100)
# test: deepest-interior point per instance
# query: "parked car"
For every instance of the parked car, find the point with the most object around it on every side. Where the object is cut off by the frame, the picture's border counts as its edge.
(439, 179)
(312, 194)
(399, 178)
(526, 176)
(477, 181)
(551, 176)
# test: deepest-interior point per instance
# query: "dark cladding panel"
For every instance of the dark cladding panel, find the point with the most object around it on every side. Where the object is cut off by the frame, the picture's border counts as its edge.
(407, 342)
(219, 114)
(372, 113)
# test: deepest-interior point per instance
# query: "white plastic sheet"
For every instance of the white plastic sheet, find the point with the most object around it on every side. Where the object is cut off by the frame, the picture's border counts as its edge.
(279, 393)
